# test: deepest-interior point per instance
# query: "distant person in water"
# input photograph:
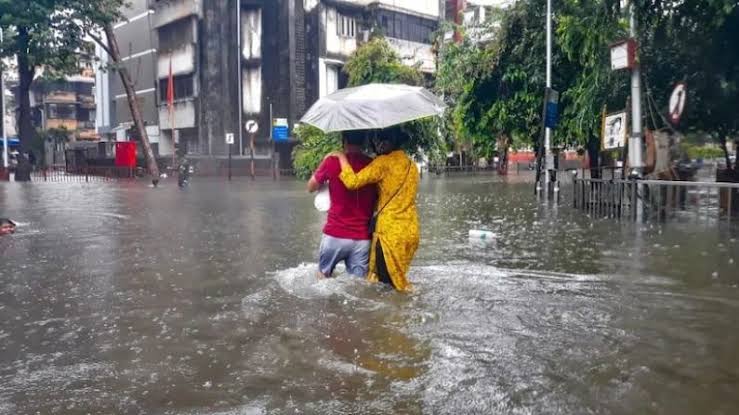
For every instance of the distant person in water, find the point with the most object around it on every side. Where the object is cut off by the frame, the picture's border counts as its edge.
(7, 226)
(346, 236)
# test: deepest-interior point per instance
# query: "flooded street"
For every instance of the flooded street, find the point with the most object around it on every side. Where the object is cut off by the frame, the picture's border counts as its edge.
(120, 299)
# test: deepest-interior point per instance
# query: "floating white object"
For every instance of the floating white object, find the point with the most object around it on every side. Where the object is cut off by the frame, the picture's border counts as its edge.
(322, 202)
(477, 234)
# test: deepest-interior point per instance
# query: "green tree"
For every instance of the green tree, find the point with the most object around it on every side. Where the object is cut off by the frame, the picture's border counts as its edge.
(314, 145)
(52, 34)
(377, 62)
(495, 90)
(695, 42)
(96, 19)
(373, 62)
(40, 34)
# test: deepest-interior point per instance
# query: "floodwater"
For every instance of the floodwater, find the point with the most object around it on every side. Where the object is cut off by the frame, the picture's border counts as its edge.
(116, 298)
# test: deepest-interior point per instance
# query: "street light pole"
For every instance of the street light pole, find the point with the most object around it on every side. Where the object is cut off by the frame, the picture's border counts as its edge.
(241, 81)
(2, 112)
(636, 149)
(636, 152)
(547, 130)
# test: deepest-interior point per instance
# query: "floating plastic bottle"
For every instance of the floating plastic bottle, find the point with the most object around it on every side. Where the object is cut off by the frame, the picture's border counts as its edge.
(476, 234)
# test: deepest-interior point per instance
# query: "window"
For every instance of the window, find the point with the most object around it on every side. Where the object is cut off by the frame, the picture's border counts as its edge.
(332, 79)
(183, 87)
(175, 35)
(61, 112)
(346, 26)
(407, 27)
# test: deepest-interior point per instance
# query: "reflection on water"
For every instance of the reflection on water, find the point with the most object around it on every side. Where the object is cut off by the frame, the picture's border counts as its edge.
(117, 298)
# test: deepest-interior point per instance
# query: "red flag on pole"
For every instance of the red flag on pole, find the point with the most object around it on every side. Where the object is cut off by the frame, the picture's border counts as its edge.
(170, 88)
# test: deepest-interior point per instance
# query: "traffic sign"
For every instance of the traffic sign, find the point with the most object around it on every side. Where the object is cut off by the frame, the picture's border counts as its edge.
(623, 55)
(551, 116)
(280, 129)
(229, 138)
(252, 126)
(677, 102)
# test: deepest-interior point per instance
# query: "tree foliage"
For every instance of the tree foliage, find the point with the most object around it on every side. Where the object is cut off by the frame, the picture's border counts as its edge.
(695, 42)
(377, 62)
(373, 62)
(39, 33)
(314, 145)
(496, 89)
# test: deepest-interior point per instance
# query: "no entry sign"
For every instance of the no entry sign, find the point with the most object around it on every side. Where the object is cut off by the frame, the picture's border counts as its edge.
(677, 102)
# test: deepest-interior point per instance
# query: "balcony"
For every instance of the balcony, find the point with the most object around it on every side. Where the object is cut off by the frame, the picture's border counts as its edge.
(412, 53)
(184, 115)
(168, 11)
(183, 62)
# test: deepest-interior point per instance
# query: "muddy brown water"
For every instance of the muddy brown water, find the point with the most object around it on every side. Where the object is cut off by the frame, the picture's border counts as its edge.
(120, 299)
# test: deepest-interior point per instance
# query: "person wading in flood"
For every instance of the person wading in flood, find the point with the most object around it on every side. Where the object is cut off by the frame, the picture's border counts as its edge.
(346, 236)
(7, 226)
(397, 233)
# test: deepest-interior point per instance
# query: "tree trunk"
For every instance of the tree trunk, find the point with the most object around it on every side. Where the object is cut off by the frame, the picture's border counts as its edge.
(26, 131)
(722, 140)
(503, 146)
(133, 104)
(594, 157)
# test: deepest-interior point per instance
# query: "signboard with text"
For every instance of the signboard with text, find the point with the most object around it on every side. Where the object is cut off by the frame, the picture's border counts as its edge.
(614, 131)
(280, 129)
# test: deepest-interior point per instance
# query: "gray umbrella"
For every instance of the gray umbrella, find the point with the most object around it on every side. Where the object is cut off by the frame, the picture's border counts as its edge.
(373, 106)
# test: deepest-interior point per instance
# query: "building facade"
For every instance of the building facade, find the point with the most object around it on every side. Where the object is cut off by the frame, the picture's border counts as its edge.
(235, 61)
(67, 104)
(138, 46)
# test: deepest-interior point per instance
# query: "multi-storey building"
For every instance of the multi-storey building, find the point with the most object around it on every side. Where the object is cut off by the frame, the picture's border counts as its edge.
(138, 46)
(234, 61)
(67, 104)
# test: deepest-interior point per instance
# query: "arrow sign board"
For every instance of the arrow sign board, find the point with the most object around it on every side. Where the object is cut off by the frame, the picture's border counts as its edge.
(229, 138)
(252, 127)
(677, 102)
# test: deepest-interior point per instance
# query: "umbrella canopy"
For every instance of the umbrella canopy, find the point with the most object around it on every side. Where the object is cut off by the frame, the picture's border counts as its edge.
(372, 107)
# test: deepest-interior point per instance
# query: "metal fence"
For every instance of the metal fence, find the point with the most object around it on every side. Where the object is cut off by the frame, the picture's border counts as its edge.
(86, 174)
(657, 200)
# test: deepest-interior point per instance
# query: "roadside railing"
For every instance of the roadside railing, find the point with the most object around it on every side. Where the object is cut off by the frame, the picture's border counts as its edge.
(656, 200)
(82, 174)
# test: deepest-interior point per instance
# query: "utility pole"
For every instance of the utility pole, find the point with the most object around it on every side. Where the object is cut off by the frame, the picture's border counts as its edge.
(2, 114)
(241, 81)
(636, 152)
(547, 130)
(636, 142)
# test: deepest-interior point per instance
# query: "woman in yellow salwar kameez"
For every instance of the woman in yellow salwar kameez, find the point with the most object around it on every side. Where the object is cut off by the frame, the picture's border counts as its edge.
(397, 232)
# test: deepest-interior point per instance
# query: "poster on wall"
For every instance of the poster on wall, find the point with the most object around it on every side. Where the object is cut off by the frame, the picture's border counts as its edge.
(614, 131)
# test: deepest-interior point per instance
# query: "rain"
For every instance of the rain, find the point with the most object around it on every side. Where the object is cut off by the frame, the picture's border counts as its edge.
(117, 298)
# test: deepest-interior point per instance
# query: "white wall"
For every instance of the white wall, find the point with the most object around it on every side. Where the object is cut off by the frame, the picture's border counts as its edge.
(102, 91)
(426, 7)
(183, 62)
(328, 77)
(184, 115)
(167, 12)
(252, 90)
(335, 44)
(251, 33)
(413, 52)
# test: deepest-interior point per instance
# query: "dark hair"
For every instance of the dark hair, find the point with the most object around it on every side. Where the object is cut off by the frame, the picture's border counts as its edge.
(6, 221)
(356, 138)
